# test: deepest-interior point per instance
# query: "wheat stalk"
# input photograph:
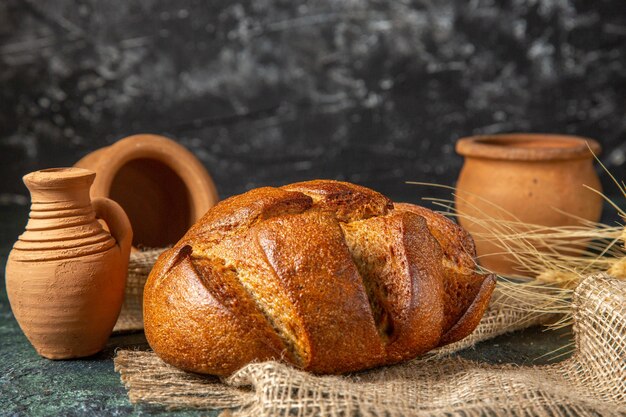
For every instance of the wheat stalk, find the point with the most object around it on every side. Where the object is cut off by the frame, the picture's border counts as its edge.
(552, 260)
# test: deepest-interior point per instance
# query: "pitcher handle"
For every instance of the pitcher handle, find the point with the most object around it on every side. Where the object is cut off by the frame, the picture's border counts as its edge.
(117, 220)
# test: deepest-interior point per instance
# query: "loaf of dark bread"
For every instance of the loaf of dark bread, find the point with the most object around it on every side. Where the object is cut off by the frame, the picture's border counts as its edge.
(328, 276)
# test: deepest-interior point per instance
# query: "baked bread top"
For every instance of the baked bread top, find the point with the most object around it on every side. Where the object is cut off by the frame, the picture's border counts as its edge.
(326, 275)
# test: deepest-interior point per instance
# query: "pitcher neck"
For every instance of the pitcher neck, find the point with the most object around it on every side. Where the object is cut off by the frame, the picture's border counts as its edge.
(60, 188)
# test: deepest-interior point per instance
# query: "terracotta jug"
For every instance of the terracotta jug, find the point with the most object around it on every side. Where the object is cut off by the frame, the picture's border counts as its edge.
(162, 187)
(65, 276)
(533, 178)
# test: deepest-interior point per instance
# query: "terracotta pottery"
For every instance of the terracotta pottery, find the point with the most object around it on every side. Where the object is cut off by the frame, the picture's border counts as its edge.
(65, 276)
(533, 178)
(162, 187)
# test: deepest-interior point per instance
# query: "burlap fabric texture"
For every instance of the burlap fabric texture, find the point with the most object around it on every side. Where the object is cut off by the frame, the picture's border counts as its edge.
(590, 383)
(139, 267)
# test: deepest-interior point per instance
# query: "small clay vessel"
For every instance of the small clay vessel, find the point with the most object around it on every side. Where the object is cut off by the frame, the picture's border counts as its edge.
(533, 178)
(162, 187)
(65, 276)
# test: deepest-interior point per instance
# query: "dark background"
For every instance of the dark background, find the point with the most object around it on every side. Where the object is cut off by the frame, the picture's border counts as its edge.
(274, 91)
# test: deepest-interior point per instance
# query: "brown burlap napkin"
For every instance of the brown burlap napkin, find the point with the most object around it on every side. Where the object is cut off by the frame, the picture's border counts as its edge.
(590, 383)
(139, 267)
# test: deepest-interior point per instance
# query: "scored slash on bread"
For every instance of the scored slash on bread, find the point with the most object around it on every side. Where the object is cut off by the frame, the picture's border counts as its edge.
(326, 275)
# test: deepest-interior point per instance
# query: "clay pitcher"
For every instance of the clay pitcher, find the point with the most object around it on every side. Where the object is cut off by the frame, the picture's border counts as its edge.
(535, 179)
(66, 275)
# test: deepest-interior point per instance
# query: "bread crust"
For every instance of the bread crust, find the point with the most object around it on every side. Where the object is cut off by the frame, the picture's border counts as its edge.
(326, 275)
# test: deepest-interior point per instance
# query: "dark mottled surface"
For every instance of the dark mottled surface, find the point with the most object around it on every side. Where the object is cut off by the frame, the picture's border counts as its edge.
(274, 91)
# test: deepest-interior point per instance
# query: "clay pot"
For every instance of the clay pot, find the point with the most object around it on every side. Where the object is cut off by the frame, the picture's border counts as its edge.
(525, 177)
(162, 187)
(66, 275)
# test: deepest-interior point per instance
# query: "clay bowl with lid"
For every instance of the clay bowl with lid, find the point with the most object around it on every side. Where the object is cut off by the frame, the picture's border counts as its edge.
(163, 188)
(538, 179)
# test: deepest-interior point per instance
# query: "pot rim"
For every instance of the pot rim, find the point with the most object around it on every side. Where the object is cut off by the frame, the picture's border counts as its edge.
(202, 190)
(528, 147)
